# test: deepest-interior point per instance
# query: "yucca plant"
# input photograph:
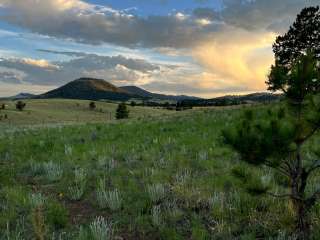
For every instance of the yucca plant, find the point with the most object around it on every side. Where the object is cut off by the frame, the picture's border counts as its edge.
(156, 192)
(53, 171)
(77, 189)
(156, 216)
(108, 198)
(101, 229)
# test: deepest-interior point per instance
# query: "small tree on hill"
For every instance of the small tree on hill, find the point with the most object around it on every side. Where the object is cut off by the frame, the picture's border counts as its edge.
(122, 111)
(133, 104)
(2, 106)
(92, 105)
(20, 105)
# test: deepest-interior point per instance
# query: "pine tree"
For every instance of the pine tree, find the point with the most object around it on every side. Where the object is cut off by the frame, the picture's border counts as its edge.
(122, 111)
(20, 105)
(277, 139)
(302, 36)
(92, 105)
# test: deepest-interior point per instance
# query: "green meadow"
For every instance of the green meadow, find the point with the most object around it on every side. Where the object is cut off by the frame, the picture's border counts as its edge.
(158, 175)
(62, 111)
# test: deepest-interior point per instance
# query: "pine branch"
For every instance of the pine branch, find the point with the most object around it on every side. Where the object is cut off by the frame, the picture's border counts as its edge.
(280, 169)
(315, 166)
(284, 196)
(312, 200)
(312, 132)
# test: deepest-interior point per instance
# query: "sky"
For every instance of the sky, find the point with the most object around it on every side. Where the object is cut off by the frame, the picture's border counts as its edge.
(202, 48)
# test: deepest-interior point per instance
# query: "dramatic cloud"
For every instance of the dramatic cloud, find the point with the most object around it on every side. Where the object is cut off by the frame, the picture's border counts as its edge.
(274, 15)
(225, 51)
(117, 69)
(243, 59)
(83, 22)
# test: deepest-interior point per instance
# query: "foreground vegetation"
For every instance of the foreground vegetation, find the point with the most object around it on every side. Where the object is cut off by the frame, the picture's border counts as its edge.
(168, 178)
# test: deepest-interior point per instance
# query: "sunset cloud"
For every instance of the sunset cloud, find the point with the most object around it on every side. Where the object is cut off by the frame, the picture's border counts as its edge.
(95, 24)
(200, 50)
(38, 63)
(238, 57)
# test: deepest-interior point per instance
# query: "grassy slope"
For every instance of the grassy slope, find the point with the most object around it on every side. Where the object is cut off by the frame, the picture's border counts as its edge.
(68, 111)
(173, 176)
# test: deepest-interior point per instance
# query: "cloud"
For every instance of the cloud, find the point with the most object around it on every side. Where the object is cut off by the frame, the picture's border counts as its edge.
(191, 80)
(273, 15)
(231, 48)
(11, 89)
(117, 69)
(94, 24)
(14, 76)
(206, 13)
(38, 63)
(184, 78)
(243, 59)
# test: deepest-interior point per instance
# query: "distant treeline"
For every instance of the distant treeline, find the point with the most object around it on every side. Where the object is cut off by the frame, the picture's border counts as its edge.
(234, 100)
(220, 101)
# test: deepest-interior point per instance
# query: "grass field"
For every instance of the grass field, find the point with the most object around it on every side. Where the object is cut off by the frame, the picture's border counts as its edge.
(168, 177)
(60, 111)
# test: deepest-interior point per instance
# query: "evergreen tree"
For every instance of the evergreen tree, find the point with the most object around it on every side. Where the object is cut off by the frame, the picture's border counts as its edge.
(92, 105)
(278, 141)
(303, 35)
(20, 105)
(122, 111)
(133, 104)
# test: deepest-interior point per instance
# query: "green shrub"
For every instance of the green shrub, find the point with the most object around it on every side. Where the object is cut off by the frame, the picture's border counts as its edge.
(20, 105)
(57, 215)
(122, 111)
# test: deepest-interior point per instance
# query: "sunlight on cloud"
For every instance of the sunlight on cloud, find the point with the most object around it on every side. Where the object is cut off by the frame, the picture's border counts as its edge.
(70, 4)
(60, 5)
(238, 57)
(39, 63)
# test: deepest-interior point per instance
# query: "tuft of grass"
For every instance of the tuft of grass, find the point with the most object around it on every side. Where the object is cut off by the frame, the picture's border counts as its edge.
(77, 189)
(156, 192)
(156, 216)
(52, 171)
(37, 200)
(101, 229)
(108, 199)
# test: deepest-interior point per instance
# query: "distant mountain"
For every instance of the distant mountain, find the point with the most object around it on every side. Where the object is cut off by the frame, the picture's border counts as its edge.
(137, 91)
(89, 89)
(96, 89)
(144, 93)
(20, 96)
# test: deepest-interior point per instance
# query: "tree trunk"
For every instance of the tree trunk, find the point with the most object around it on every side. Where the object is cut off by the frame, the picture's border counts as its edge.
(299, 179)
(302, 220)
